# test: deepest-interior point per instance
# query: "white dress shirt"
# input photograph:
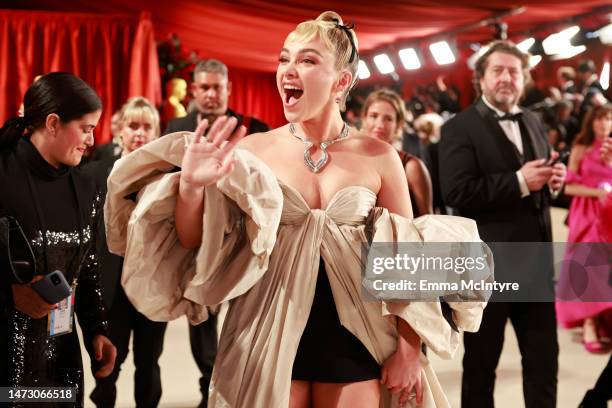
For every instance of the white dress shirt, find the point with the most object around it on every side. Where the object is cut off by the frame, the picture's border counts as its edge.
(513, 132)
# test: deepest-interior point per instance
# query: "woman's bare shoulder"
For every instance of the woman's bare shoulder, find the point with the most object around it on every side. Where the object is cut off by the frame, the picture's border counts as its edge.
(370, 146)
(258, 142)
(578, 150)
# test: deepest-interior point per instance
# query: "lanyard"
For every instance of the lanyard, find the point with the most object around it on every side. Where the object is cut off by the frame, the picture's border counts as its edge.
(41, 220)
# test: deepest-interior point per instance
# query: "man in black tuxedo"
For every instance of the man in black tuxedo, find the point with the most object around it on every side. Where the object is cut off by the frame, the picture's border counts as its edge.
(565, 79)
(589, 86)
(211, 89)
(494, 169)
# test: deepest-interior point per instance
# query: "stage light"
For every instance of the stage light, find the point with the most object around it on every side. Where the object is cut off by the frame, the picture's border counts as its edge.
(442, 53)
(534, 60)
(604, 34)
(525, 45)
(384, 64)
(536, 48)
(363, 72)
(471, 61)
(569, 52)
(569, 32)
(410, 59)
(604, 78)
(559, 42)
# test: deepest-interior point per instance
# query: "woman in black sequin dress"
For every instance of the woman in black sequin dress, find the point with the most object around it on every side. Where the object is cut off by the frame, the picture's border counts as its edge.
(58, 208)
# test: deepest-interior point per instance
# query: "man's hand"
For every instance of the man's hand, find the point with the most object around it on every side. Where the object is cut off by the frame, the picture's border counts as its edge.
(536, 174)
(28, 301)
(105, 353)
(558, 177)
(559, 172)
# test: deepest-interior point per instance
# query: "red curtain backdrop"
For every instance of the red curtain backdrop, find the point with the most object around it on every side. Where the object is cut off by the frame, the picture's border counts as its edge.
(255, 94)
(248, 34)
(115, 54)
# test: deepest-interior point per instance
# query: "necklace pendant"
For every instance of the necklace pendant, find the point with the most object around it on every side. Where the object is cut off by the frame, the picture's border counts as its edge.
(315, 167)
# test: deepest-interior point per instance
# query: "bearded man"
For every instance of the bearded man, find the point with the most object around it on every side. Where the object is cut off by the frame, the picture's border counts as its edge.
(495, 168)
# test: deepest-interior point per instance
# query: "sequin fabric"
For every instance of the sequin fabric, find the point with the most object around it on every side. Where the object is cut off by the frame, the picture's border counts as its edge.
(34, 358)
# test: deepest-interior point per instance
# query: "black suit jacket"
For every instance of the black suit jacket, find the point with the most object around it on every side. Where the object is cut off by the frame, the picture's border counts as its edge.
(478, 165)
(110, 264)
(190, 122)
(589, 94)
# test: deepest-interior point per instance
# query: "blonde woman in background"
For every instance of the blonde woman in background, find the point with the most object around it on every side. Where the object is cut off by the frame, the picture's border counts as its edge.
(383, 117)
(138, 124)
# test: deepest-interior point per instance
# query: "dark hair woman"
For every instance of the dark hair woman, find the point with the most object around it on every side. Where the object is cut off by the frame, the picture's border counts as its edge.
(589, 181)
(58, 208)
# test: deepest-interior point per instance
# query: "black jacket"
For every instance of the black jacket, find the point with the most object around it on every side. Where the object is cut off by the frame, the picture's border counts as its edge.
(190, 122)
(478, 165)
(69, 217)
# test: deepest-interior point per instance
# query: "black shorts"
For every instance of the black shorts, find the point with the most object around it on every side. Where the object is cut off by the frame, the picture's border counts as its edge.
(328, 352)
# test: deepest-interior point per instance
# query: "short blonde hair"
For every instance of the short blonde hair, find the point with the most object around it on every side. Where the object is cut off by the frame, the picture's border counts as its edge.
(139, 108)
(393, 99)
(329, 28)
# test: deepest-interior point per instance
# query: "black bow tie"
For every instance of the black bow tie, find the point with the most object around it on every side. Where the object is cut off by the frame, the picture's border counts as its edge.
(510, 116)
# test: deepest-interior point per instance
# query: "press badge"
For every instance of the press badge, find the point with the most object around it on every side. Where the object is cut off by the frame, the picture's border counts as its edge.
(59, 320)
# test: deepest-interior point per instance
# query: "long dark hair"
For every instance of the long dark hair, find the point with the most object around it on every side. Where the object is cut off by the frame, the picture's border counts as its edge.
(61, 93)
(586, 137)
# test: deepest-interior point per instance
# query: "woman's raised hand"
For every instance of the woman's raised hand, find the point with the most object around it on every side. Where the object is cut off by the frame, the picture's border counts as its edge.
(207, 159)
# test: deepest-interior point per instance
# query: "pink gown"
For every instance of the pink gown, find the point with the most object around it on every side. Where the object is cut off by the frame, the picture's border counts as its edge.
(588, 222)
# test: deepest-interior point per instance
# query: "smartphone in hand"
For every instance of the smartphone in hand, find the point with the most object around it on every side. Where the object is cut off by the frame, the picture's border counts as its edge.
(53, 287)
(563, 155)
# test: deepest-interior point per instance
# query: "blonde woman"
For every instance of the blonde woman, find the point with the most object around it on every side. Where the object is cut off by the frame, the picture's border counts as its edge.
(138, 124)
(383, 117)
(275, 227)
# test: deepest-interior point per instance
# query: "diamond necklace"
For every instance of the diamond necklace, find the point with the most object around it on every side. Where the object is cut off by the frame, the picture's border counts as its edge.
(315, 167)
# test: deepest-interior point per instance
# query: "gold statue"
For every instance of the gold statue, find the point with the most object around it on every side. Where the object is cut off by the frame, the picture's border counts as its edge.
(20, 111)
(176, 89)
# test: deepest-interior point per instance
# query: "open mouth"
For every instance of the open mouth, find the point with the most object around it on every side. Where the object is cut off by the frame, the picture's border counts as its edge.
(292, 94)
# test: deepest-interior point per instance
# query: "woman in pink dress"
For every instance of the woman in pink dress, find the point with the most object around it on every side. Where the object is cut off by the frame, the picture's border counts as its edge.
(589, 181)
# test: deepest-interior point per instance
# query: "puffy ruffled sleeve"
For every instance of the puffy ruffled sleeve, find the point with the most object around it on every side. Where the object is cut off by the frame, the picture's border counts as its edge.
(429, 319)
(162, 279)
(235, 254)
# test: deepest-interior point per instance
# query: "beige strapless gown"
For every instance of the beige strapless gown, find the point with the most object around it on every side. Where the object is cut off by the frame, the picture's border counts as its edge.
(260, 252)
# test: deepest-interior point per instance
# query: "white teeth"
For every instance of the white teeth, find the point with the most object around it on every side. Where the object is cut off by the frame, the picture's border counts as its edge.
(292, 87)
